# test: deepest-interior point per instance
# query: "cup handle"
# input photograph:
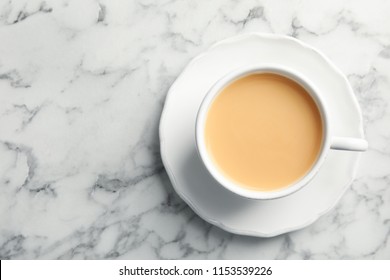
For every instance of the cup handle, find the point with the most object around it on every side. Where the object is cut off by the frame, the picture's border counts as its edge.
(348, 144)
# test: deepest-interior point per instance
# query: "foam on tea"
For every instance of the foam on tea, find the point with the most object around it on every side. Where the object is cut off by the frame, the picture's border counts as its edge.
(264, 131)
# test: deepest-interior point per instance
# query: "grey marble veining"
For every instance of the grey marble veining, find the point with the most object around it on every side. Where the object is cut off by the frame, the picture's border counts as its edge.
(82, 86)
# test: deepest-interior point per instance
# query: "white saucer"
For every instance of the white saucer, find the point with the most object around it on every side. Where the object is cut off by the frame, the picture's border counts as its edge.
(205, 196)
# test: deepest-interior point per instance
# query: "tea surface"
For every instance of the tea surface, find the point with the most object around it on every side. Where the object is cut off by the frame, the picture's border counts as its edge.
(264, 131)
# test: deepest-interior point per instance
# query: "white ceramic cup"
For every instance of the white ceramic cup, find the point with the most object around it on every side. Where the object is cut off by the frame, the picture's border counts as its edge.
(329, 141)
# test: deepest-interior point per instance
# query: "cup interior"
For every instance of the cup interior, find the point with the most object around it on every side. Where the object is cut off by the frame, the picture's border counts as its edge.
(217, 88)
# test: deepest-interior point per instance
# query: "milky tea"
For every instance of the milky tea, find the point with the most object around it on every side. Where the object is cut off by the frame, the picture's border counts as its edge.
(264, 131)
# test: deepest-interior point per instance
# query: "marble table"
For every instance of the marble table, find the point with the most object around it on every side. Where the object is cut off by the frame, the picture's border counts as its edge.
(82, 87)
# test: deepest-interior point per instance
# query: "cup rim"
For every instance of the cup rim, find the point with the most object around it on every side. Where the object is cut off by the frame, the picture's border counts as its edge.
(214, 92)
